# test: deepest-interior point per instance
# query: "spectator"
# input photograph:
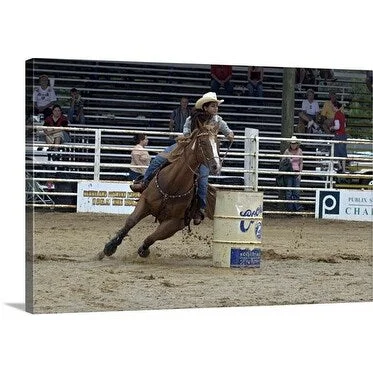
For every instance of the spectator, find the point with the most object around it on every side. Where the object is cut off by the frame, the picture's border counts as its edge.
(327, 112)
(339, 129)
(221, 76)
(308, 114)
(293, 181)
(139, 156)
(255, 82)
(304, 76)
(281, 179)
(56, 119)
(327, 75)
(44, 97)
(75, 113)
(179, 115)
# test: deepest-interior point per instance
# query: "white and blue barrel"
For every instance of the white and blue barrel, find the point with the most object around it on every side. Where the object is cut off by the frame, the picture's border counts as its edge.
(237, 234)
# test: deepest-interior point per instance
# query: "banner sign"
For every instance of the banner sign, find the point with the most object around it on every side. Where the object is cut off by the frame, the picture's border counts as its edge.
(344, 204)
(106, 197)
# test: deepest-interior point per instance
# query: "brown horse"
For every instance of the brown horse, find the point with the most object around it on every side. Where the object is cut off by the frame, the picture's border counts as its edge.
(170, 193)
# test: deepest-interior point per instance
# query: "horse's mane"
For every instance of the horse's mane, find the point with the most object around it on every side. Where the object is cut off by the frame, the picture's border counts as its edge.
(182, 143)
(199, 119)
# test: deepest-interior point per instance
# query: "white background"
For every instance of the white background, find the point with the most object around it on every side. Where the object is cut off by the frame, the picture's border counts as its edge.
(334, 338)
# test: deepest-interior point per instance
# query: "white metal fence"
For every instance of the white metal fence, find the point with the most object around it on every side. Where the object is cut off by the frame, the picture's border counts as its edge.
(251, 163)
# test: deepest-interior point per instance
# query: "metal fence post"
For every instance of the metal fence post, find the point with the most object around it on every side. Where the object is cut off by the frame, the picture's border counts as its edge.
(251, 159)
(96, 172)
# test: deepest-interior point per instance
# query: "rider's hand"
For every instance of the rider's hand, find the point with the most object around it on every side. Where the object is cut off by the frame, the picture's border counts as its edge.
(230, 136)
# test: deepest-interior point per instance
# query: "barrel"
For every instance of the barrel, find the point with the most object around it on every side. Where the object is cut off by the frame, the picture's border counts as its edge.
(237, 233)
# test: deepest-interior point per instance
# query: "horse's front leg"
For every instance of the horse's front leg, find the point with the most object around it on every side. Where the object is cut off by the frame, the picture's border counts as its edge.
(111, 247)
(164, 230)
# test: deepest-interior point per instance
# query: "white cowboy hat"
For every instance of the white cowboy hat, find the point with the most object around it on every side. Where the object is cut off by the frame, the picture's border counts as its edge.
(294, 140)
(207, 97)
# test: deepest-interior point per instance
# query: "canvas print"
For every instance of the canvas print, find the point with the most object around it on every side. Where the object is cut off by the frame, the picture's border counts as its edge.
(168, 185)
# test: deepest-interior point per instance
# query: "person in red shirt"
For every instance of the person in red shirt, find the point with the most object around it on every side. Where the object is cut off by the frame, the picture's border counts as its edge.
(339, 128)
(221, 76)
(56, 119)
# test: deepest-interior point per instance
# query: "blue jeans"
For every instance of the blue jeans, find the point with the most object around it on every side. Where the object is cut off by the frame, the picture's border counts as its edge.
(255, 91)
(158, 161)
(72, 117)
(292, 181)
(228, 87)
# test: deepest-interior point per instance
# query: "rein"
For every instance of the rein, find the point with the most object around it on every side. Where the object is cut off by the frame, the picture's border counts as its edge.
(173, 196)
(222, 160)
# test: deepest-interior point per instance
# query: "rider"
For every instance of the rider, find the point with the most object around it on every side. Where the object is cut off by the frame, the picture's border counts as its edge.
(207, 107)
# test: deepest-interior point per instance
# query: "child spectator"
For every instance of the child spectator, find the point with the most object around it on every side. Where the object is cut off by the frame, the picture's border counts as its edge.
(75, 113)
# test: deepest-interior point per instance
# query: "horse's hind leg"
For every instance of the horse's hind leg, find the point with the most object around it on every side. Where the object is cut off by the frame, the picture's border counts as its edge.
(111, 247)
(164, 230)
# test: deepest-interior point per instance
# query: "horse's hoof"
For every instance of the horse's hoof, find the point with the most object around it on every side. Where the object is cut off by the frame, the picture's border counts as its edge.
(143, 252)
(101, 255)
(111, 247)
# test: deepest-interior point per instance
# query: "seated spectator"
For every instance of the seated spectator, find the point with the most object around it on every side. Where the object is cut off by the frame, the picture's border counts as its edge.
(179, 115)
(56, 119)
(75, 113)
(327, 75)
(255, 82)
(300, 74)
(308, 114)
(221, 76)
(139, 156)
(327, 112)
(304, 76)
(44, 97)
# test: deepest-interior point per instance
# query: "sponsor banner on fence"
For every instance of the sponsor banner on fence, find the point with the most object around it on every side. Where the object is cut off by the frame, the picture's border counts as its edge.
(112, 198)
(344, 204)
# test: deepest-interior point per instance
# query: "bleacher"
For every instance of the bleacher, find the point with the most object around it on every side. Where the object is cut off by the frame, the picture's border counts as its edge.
(141, 96)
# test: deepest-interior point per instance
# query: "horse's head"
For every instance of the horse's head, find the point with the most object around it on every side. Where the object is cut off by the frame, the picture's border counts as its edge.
(207, 147)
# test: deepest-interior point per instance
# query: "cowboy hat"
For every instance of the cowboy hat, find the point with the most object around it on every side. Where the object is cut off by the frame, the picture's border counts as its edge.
(207, 97)
(294, 140)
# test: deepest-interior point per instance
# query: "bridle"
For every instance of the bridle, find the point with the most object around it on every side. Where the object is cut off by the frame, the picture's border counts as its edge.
(206, 158)
(203, 134)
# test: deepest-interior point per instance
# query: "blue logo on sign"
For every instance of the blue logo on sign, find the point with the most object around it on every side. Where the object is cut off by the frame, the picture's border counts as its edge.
(249, 214)
(245, 258)
(328, 203)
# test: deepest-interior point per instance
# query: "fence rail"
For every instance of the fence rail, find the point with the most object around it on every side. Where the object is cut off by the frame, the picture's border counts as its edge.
(251, 164)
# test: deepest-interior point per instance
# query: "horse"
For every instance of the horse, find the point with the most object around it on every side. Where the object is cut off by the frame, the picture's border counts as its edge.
(171, 193)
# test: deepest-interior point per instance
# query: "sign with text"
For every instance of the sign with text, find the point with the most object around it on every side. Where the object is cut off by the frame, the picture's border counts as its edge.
(106, 197)
(344, 204)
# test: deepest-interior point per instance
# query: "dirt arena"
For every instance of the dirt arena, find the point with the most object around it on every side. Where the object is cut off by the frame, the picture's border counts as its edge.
(303, 261)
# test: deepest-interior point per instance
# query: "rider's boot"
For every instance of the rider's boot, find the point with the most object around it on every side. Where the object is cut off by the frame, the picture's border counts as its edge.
(139, 186)
(198, 216)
